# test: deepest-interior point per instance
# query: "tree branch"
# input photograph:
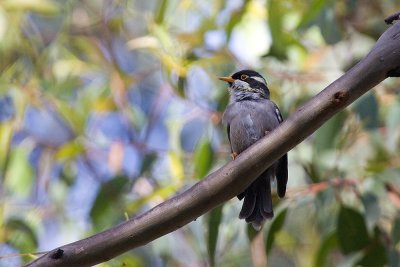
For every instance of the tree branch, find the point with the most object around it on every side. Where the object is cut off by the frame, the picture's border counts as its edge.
(227, 182)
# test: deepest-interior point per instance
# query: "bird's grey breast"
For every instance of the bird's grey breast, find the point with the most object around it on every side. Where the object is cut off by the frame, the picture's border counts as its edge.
(248, 121)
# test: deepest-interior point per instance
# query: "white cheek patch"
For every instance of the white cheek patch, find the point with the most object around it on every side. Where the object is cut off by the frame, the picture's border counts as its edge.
(238, 84)
(241, 83)
(259, 79)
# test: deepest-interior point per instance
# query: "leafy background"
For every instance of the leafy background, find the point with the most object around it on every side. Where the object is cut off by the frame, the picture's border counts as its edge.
(108, 108)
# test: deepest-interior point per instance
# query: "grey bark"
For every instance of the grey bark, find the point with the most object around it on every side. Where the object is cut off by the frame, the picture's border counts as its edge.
(227, 182)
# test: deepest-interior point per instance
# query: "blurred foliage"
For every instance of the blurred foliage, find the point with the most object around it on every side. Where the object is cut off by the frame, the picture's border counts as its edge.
(108, 108)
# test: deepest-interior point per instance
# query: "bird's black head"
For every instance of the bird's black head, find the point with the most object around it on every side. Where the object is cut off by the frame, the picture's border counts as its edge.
(247, 85)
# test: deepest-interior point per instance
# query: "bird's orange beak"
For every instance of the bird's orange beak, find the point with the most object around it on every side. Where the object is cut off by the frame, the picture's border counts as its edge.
(227, 79)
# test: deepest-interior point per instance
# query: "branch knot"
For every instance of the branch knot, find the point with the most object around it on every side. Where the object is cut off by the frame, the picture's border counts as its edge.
(340, 96)
(57, 254)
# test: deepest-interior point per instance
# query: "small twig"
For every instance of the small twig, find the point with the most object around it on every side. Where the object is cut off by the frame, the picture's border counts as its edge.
(316, 188)
(257, 249)
(14, 255)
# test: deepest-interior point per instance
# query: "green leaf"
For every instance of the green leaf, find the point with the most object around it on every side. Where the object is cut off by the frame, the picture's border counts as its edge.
(235, 18)
(20, 235)
(222, 101)
(326, 136)
(76, 118)
(106, 208)
(328, 244)
(329, 26)
(311, 13)
(351, 230)
(147, 162)
(69, 150)
(41, 6)
(276, 14)
(378, 163)
(214, 220)
(392, 118)
(19, 176)
(275, 227)
(181, 85)
(6, 131)
(281, 38)
(127, 260)
(372, 209)
(352, 259)
(68, 172)
(176, 166)
(203, 158)
(161, 11)
(393, 124)
(367, 108)
(375, 254)
(163, 193)
(394, 258)
(396, 231)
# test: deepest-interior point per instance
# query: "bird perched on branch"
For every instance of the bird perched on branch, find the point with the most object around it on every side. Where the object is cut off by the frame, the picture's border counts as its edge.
(249, 116)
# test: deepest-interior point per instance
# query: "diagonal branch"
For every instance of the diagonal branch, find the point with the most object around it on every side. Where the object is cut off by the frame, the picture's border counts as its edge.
(227, 182)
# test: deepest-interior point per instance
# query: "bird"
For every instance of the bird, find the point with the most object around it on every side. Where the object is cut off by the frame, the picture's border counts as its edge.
(249, 116)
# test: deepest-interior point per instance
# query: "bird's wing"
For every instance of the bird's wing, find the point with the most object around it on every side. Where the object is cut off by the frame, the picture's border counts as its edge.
(226, 119)
(278, 113)
(282, 167)
(228, 130)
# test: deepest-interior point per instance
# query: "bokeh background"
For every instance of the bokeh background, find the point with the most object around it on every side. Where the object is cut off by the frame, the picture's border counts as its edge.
(108, 108)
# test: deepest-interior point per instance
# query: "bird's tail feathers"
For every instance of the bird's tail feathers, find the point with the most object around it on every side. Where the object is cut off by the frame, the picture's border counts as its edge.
(257, 204)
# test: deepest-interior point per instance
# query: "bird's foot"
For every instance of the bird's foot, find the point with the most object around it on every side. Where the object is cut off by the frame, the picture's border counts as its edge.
(234, 155)
(266, 132)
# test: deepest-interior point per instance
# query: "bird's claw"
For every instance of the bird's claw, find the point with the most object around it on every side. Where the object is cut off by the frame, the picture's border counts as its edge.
(234, 155)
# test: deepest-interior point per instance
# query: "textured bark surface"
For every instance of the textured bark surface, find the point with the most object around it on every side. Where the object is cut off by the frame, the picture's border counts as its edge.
(382, 61)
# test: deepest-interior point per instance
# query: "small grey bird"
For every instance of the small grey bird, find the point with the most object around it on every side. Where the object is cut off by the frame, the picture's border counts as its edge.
(249, 116)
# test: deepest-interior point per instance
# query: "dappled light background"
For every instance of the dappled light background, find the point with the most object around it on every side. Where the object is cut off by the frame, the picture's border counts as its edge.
(108, 108)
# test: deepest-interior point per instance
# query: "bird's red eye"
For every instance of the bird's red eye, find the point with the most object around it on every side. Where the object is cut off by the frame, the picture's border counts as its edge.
(243, 77)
